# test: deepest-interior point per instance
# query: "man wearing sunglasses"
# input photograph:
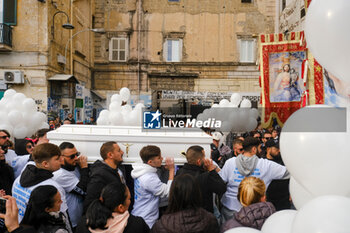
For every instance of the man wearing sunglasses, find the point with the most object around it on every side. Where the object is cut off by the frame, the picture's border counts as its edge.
(237, 147)
(266, 136)
(73, 177)
(10, 155)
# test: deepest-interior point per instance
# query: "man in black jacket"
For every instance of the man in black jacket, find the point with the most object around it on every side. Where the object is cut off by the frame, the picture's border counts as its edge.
(278, 190)
(205, 173)
(104, 172)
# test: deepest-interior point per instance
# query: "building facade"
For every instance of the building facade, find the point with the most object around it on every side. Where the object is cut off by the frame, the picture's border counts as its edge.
(44, 58)
(291, 15)
(180, 52)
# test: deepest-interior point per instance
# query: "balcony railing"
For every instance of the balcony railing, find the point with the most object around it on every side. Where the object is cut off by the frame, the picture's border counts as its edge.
(5, 35)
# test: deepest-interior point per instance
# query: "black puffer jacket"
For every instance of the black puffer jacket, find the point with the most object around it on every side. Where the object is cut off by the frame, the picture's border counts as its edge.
(100, 175)
(252, 216)
(194, 221)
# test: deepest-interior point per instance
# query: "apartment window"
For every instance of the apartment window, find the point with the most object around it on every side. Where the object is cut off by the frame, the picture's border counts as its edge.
(118, 49)
(173, 0)
(247, 1)
(247, 50)
(8, 12)
(173, 50)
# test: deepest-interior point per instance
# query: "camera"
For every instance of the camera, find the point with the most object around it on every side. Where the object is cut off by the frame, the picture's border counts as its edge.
(2, 205)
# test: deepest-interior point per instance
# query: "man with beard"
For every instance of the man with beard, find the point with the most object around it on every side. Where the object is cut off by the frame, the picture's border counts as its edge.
(273, 151)
(73, 176)
(104, 172)
(205, 174)
(278, 190)
(10, 155)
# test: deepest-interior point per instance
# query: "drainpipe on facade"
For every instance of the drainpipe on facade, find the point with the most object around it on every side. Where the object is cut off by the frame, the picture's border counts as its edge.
(139, 48)
(70, 36)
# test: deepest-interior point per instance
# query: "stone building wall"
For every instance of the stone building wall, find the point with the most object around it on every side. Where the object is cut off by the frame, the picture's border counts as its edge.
(210, 32)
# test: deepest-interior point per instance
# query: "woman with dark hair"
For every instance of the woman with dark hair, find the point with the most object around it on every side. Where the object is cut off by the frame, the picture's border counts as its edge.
(24, 149)
(24, 146)
(184, 213)
(110, 213)
(43, 211)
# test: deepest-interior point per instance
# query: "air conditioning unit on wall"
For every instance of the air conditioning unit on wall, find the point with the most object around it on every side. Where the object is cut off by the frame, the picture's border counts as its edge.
(13, 77)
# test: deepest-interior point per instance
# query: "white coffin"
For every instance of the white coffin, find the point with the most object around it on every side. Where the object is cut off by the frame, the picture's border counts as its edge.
(89, 138)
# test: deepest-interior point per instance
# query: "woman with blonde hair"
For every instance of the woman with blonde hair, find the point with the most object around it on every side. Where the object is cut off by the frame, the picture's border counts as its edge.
(255, 210)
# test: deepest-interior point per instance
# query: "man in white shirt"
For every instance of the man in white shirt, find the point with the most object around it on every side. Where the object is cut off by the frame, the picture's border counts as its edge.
(244, 165)
(73, 176)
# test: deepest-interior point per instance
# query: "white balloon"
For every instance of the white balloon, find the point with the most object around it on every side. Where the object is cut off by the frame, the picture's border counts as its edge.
(116, 118)
(242, 230)
(300, 196)
(307, 140)
(104, 113)
(42, 116)
(114, 107)
(236, 99)
(254, 113)
(44, 125)
(215, 106)
(15, 117)
(3, 117)
(133, 117)
(27, 117)
(36, 120)
(251, 124)
(226, 126)
(279, 222)
(29, 105)
(326, 24)
(11, 106)
(126, 108)
(125, 93)
(224, 103)
(7, 127)
(3, 105)
(139, 107)
(102, 120)
(246, 103)
(117, 99)
(326, 214)
(9, 93)
(18, 97)
(200, 117)
(242, 120)
(20, 132)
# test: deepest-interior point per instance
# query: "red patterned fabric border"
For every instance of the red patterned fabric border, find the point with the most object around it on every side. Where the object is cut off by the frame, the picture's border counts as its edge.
(318, 83)
(281, 62)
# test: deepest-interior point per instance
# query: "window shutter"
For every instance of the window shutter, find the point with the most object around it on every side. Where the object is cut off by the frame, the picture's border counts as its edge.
(10, 12)
(170, 50)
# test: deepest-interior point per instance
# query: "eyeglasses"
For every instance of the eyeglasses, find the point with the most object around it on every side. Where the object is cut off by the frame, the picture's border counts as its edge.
(4, 148)
(73, 155)
(29, 147)
(241, 149)
(268, 138)
(4, 137)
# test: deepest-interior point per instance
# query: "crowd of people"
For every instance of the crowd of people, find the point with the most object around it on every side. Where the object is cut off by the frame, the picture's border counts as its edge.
(52, 189)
